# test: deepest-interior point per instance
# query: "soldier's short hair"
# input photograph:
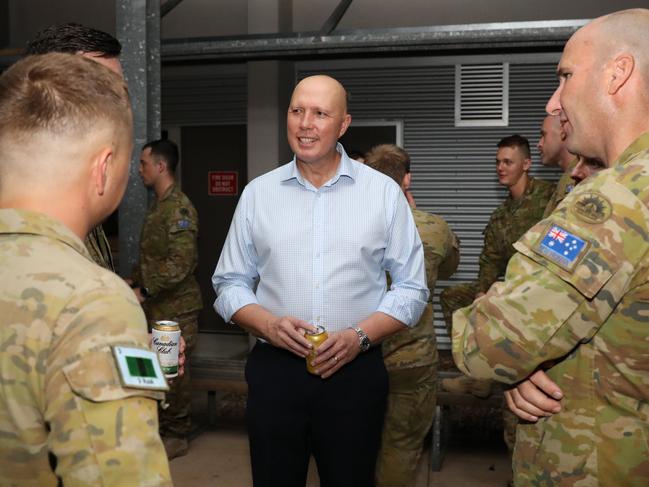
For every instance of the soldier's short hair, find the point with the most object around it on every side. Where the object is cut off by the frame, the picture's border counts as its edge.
(60, 94)
(389, 159)
(164, 150)
(517, 141)
(74, 38)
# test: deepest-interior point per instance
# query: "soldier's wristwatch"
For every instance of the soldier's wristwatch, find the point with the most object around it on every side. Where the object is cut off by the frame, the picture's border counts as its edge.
(363, 339)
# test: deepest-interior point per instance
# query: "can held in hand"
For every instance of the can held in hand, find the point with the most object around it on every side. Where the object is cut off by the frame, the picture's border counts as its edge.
(316, 338)
(166, 341)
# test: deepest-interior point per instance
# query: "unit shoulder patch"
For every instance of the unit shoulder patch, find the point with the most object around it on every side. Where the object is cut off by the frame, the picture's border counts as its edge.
(592, 207)
(139, 368)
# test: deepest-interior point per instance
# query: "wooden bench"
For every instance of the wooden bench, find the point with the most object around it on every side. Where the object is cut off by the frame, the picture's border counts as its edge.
(219, 374)
(441, 430)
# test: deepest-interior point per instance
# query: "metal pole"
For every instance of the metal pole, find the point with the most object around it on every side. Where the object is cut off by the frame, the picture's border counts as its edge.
(138, 29)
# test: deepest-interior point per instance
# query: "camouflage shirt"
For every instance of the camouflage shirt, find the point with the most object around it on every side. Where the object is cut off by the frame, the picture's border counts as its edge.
(168, 257)
(581, 313)
(417, 346)
(60, 392)
(99, 248)
(507, 224)
(565, 185)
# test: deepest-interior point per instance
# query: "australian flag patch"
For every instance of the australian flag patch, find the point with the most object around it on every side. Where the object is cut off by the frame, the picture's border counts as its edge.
(561, 246)
(183, 224)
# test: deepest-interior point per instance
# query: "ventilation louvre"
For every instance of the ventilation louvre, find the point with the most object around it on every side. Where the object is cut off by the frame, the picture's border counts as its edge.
(482, 95)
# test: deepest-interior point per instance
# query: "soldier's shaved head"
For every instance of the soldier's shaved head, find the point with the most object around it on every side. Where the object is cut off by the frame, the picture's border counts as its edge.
(603, 94)
(624, 31)
(59, 114)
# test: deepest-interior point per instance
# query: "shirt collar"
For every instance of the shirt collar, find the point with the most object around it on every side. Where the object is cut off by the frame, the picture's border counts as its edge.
(16, 221)
(640, 144)
(168, 191)
(346, 168)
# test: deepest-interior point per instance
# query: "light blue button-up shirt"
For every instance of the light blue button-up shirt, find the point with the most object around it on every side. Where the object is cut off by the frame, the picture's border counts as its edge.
(320, 254)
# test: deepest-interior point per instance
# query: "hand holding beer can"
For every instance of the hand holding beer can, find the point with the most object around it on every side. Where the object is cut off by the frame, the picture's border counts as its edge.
(316, 338)
(166, 340)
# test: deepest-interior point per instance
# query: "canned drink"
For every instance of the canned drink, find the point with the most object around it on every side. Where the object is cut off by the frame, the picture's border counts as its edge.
(166, 340)
(316, 338)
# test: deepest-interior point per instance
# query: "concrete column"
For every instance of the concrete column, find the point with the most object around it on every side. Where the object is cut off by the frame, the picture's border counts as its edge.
(270, 84)
(4, 23)
(138, 29)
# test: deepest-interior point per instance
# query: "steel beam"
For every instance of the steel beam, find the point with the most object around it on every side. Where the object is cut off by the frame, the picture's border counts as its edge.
(505, 36)
(168, 6)
(334, 18)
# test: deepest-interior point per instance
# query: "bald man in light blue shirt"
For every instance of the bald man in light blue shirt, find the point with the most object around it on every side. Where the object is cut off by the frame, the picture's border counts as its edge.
(310, 244)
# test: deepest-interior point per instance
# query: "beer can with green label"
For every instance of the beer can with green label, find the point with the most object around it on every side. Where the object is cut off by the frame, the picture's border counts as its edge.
(166, 341)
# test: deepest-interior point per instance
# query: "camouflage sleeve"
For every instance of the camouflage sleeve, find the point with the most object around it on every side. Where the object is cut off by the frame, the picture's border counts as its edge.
(492, 259)
(97, 244)
(100, 432)
(450, 264)
(438, 242)
(180, 259)
(569, 274)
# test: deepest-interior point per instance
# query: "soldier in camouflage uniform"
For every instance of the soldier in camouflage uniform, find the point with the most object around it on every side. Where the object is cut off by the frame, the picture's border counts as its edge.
(523, 208)
(574, 306)
(65, 417)
(410, 356)
(164, 278)
(104, 49)
(554, 153)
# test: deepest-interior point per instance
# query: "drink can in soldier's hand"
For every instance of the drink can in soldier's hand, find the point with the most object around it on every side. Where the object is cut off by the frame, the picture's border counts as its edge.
(316, 338)
(166, 341)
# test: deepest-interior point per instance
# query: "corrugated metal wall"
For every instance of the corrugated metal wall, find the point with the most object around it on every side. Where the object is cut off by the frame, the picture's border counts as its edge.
(453, 168)
(204, 95)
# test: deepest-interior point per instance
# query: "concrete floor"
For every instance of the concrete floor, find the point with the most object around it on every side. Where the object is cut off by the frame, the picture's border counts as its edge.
(220, 458)
(219, 455)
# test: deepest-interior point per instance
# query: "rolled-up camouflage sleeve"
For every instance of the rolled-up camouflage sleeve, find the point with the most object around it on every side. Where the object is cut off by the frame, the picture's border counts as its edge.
(552, 300)
(101, 433)
(493, 259)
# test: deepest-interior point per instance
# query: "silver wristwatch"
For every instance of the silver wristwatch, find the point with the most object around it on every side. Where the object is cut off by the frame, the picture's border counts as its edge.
(363, 339)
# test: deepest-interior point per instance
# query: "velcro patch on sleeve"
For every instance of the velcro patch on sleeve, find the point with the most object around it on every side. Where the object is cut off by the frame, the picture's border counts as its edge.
(139, 368)
(561, 247)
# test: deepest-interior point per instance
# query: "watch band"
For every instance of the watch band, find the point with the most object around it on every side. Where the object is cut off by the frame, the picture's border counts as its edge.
(363, 340)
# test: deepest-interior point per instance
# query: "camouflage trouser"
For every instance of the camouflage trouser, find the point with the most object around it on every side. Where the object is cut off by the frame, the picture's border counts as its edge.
(510, 421)
(453, 298)
(175, 420)
(408, 417)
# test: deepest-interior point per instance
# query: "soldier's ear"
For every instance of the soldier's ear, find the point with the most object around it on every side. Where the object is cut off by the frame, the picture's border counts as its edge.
(162, 166)
(527, 164)
(101, 166)
(621, 70)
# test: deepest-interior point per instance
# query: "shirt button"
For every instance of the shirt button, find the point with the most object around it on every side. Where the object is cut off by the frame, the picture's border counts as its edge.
(317, 286)
(317, 256)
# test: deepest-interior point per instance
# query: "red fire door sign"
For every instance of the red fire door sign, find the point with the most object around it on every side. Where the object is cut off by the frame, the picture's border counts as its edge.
(223, 183)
